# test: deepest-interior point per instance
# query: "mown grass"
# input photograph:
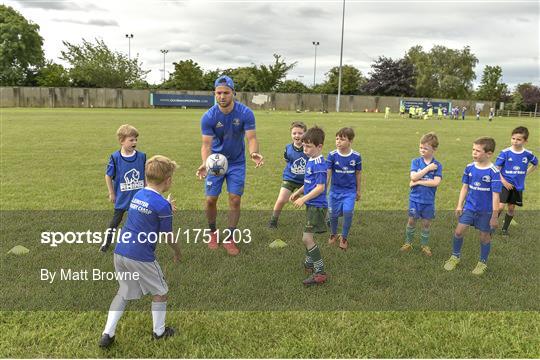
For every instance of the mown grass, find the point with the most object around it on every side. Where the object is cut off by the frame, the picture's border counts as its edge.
(54, 159)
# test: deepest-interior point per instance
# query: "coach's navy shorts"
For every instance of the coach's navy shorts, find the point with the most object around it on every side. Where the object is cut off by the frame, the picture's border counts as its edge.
(479, 220)
(421, 211)
(235, 177)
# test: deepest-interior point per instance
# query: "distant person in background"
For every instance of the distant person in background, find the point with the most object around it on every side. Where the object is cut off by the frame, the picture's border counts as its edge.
(445, 112)
(387, 112)
(463, 111)
(402, 110)
(491, 113)
(439, 113)
(477, 114)
(412, 111)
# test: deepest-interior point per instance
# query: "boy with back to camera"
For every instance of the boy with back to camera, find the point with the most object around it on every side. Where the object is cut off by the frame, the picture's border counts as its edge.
(515, 163)
(150, 216)
(124, 177)
(314, 197)
(425, 176)
(345, 173)
(478, 203)
(293, 173)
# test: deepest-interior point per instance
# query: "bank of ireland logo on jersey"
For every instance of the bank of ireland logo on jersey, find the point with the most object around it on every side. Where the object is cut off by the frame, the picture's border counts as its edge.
(132, 181)
(516, 168)
(298, 166)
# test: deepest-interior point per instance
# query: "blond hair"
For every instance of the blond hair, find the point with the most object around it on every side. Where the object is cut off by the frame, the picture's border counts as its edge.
(431, 139)
(158, 168)
(125, 131)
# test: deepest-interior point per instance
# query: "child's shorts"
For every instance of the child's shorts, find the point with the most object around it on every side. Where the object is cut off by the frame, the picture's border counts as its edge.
(421, 211)
(338, 203)
(512, 196)
(291, 185)
(315, 220)
(480, 220)
(150, 278)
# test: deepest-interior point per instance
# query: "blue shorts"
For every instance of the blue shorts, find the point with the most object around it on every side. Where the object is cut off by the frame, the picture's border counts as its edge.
(235, 176)
(338, 203)
(421, 211)
(479, 220)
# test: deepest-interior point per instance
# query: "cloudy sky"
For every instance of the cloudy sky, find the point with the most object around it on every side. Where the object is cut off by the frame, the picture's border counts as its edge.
(223, 34)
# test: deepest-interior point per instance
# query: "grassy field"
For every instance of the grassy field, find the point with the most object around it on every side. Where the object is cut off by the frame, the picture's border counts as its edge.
(376, 304)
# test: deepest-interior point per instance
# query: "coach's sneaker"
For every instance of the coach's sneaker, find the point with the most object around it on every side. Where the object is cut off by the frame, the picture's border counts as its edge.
(451, 263)
(343, 243)
(213, 243)
(406, 248)
(426, 250)
(169, 331)
(480, 268)
(106, 341)
(332, 239)
(231, 248)
(315, 279)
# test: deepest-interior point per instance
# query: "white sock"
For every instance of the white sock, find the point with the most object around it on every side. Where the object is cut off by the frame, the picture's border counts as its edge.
(115, 313)
(159, 311)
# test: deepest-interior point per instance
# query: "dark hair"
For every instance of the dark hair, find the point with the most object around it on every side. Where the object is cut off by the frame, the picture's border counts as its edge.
(298, 124)
(486, 142)
(314, 135)
(346, 132)
(521, 130)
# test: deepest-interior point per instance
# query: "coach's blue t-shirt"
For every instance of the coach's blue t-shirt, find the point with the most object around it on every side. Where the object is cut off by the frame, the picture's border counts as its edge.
(482, 182)
(149, 214)
(514, 166)
(316, 170)
(228, 130)
(420, 193)
(127, 174)
(296, 164)
(344, 168)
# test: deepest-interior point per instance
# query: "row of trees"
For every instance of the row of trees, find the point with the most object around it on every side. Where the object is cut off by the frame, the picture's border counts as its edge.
(438, 73)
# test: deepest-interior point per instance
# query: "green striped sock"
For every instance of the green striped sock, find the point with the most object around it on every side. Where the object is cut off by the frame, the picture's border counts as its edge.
(424, 237)
(315, 254)
(409, 234)
(308, 262)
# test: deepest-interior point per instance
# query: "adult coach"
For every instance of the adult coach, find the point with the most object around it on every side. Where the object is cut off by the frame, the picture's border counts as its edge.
(224, 127)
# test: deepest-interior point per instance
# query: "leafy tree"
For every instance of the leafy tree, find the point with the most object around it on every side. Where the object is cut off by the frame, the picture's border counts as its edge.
(244, 78)
(517, 101)
(390, 78)
(187, 75)
(209, 78)
(21, 50)
(292, 87)
(95, 65)
(53, 75)
(490, 86)
(351, 81)
(443, 72)
(529, 95)
(270, 77)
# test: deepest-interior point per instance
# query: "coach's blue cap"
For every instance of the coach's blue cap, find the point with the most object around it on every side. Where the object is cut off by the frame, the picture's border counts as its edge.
(224, 81)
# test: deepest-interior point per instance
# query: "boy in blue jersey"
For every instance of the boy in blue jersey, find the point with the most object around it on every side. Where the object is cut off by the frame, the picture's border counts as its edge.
(425, 176)
(293, 173)
(345, 173)
(149, 219)
(480, 194)
(223, 128)
(314, 197)
(124, 177)
(515, 163)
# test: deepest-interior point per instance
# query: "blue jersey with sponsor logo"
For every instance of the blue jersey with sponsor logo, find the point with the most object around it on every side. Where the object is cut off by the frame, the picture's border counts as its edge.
(316, 170)
(420, 193)
(127, 174)
(149, 214)
(228, 130)
(514, 166)
(344, 169)
(296, 164)
(482, 182)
